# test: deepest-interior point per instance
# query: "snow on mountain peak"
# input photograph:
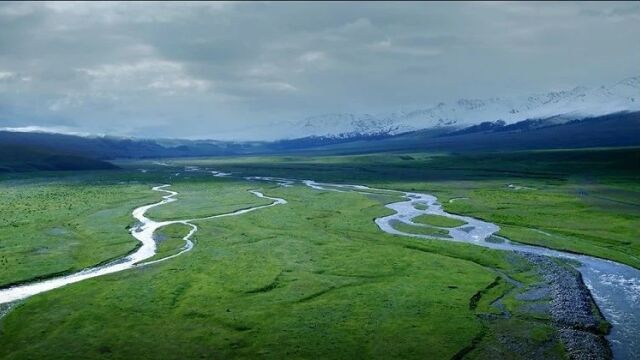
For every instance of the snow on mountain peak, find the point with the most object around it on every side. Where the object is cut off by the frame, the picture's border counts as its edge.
(568, 104)
(633, 82)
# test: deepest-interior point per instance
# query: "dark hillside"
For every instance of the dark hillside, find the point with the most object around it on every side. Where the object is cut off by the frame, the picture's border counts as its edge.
(16, 158)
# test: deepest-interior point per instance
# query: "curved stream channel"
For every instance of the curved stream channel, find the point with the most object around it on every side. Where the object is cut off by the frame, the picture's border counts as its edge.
(143, 231)
(615, 287)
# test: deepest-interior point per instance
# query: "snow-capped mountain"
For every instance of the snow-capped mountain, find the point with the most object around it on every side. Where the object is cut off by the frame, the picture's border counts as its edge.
(579, 102)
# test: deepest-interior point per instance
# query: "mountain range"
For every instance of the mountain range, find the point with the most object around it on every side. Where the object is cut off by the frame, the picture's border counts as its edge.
(578, 118)
(577, 103)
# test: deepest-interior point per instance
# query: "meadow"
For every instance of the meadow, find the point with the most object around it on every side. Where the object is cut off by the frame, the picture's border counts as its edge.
(584, 201)
(50, 227)
(314, 278)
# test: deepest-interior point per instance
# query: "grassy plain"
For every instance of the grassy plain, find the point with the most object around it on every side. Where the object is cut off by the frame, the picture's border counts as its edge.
(313, 278)
(316, 278)
(586, 201)
(48, 226)
(170, 240)
(198, 198)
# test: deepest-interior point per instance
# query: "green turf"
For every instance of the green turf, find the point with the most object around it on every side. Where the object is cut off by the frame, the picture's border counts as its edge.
(419, 230)
(421, 206)
(197, 199)
(314, 278)
(588, 199)
(49, 226)
(170, 240)
(437, 220)
(273, 284)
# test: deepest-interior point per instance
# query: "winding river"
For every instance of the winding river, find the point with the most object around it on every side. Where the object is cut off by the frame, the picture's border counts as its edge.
(143, 232)
(615, 287)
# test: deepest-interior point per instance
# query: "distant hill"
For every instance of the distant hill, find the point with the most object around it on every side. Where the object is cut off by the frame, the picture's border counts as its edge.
(17, 158)
(58, 151)
(105, 147)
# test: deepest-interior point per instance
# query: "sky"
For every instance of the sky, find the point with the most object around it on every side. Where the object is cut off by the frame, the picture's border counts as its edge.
(227, 70)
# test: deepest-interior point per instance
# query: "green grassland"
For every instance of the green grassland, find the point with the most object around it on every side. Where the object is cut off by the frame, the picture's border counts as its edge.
(198, 198)
(314, 278)
(420, 230)
(170, 240)
(437, 220)
(585, 201)
(49, 226)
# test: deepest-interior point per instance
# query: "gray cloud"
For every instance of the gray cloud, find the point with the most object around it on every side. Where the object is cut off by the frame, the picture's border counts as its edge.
(216, 69)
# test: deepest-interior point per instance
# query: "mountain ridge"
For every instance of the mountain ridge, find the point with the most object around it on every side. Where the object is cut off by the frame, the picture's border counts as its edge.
(617, 129)
(565, 105)
(579, 102)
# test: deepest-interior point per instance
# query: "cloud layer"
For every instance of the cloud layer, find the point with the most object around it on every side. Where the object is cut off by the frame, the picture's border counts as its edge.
(230, 70)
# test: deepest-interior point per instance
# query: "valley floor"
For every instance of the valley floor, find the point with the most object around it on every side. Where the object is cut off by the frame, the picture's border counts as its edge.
(315, 278)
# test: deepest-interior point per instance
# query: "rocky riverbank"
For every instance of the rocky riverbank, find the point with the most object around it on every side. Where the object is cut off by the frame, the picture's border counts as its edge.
(581, 326)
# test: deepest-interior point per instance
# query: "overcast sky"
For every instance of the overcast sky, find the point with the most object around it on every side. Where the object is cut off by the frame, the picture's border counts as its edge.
(228, 70)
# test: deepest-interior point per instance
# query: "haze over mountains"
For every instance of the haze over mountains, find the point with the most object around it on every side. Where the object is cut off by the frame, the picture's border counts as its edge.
(581, 117)
(577, 103)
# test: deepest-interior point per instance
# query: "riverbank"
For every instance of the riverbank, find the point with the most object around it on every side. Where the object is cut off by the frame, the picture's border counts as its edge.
(581, 326)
